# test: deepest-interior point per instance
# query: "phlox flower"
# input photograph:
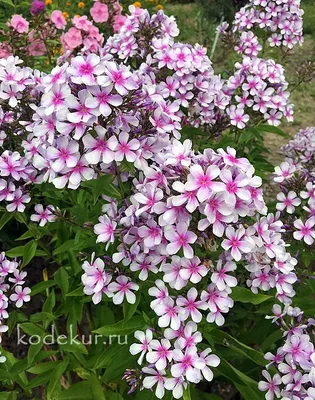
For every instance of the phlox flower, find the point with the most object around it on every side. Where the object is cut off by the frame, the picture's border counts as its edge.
(19, 24)
(18, 203)
(43, 215)
(288, 202)
(237, 242)
(220, 277)
(203, 182)
(58, 19)
(180, 237)
(187, 364)
(143, 347)
(99, 148)
(155, 378)
(123, 288)
(21, 296)
(190, 306)
(160, 353)
(99, 12)
(271, 386)
(305, 230)
(105, 230)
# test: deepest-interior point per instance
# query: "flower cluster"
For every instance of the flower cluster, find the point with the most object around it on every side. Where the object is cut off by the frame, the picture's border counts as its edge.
(183, 206)
(281, 20)
(294, 360)
(19, 86)
(295, 176)
(258, 87)
(38, 35)
(12, 290)
(176, 352)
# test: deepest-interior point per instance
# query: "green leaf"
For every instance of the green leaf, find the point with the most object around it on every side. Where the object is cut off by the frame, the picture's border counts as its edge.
(6, 217)
(33, 350)
(9, 2)
(29, 252)
(78, 391)
(122, 361)
(64, 247)
(43, 367)
(96, 387)
(248, 393)
(186, 394)
(40, 287)
(247, 296)
(31, 329)
(42, 316)
(78, 292)
(122, 327)
(8, 395)
(227, 340)
(272, 129)
(240, 379)
(74, 347)
(56, 374)
(62, 278)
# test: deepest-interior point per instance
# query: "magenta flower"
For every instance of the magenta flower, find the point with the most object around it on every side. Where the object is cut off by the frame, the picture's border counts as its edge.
(155, 378)
(55, 99)
(187, 364)
(160, 353)
(100, 149)
(288, 202)
(180, 238)
(144, 264)
(190, 306)
(19, 23)
(172, 273)
(21, 296)
(305, 231)
(58, 19)
(221, 278)
(124, 289)
(102, 100)
(126, 149)
(18, 203)
(66, 153)
(203, 182)
(168, 313)
(192, 270)
(105, 230)
(237, 242)
(121, 77)
(143, 347)
(43, 216)
(99, 12)
(271, 386)
(235, 187)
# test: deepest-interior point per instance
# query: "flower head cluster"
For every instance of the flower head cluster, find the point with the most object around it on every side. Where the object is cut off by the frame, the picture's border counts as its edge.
(296, 179)
(173, 360)
(294, 361)
(12, 290)
(258, 87)
(183, 206)
(18, 87)
(281, 20)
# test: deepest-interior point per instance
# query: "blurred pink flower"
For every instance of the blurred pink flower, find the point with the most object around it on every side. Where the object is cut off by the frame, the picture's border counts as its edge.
(118, 22)
(37, 48)
(72, 38)
(58, 19)
(99, 12)
(19, 23)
